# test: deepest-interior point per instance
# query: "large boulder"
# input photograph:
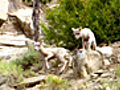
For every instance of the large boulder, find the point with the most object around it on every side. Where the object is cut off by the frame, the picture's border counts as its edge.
(86, 62)
(24, 19)
(3, 11)
(12, 46)
(107, 51)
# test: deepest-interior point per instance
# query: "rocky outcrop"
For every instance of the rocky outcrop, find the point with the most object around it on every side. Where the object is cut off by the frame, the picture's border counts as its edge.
(18, 41)
(12, 46)
(86, 62)
(3, 11)
(107, 51)
(17, 21)
(4, 83)
(23, 15)
(33, 80)
(24, 19)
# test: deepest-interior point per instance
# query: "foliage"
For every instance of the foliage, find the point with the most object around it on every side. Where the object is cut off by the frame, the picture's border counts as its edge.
(117, 72)
(26, 0)
(102, 17)
(17, 69)
(114, 84)
(117, 69)
(11, 70)
(45, 1)
(117, 85)
(56, 83)
(28, 59)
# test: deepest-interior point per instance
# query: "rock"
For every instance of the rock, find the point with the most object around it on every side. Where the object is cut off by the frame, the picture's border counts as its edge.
(3, 11)
(99, 72)
(13, 40)
(105, 75)
(24, 18)
(13, 43)
(4, 83)
(106, 50)
(6, 87)
(11, 53)
(106, 62)
(118, 58)
(94, 75)
(32, 81)
(12, 46)
(87, 62)
(107, 88)
(3, 80)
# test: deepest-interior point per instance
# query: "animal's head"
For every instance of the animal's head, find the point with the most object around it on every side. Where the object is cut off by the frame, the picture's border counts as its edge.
(77, 32)
(37, 45)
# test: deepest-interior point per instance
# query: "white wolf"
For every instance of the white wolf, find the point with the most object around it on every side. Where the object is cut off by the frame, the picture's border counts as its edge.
(87, 36)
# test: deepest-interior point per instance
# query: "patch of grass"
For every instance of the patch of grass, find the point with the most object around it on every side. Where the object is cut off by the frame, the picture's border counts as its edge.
(19, 68)
(117, 85)
(11, 70)
(114, 85)
(117, 69)
(56, 83)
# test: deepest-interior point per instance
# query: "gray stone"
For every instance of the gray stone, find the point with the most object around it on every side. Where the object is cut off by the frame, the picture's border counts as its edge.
(87, 62)
(13, 40)
(32, 80)
(106, 50)
(106, 62)
(6, 87)
(24, 19)
(3, 80)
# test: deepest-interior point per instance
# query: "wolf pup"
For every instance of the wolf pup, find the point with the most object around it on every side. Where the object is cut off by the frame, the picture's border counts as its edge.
(60, 53)
(87, 36)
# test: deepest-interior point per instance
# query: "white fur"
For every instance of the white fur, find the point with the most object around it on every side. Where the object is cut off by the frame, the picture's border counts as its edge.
(87, 36)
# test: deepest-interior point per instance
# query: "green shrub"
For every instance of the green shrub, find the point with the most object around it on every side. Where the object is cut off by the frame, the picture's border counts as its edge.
(28, 59)
(19, 68)
(12, 71)
(101, 16)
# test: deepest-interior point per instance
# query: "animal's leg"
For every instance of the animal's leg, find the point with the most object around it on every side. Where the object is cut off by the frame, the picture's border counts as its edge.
(70, 61)
(69, 58)
(88, 46)
(62, 59)
(43, 66)
(94, 45)
(83, 44)
(47, 58)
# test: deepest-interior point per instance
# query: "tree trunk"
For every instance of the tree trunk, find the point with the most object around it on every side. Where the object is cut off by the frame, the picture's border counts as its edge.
(35, 18)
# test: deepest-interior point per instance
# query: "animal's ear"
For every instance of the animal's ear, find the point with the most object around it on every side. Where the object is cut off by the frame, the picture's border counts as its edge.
(41, 41)
(80, 28)
(73, 29)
